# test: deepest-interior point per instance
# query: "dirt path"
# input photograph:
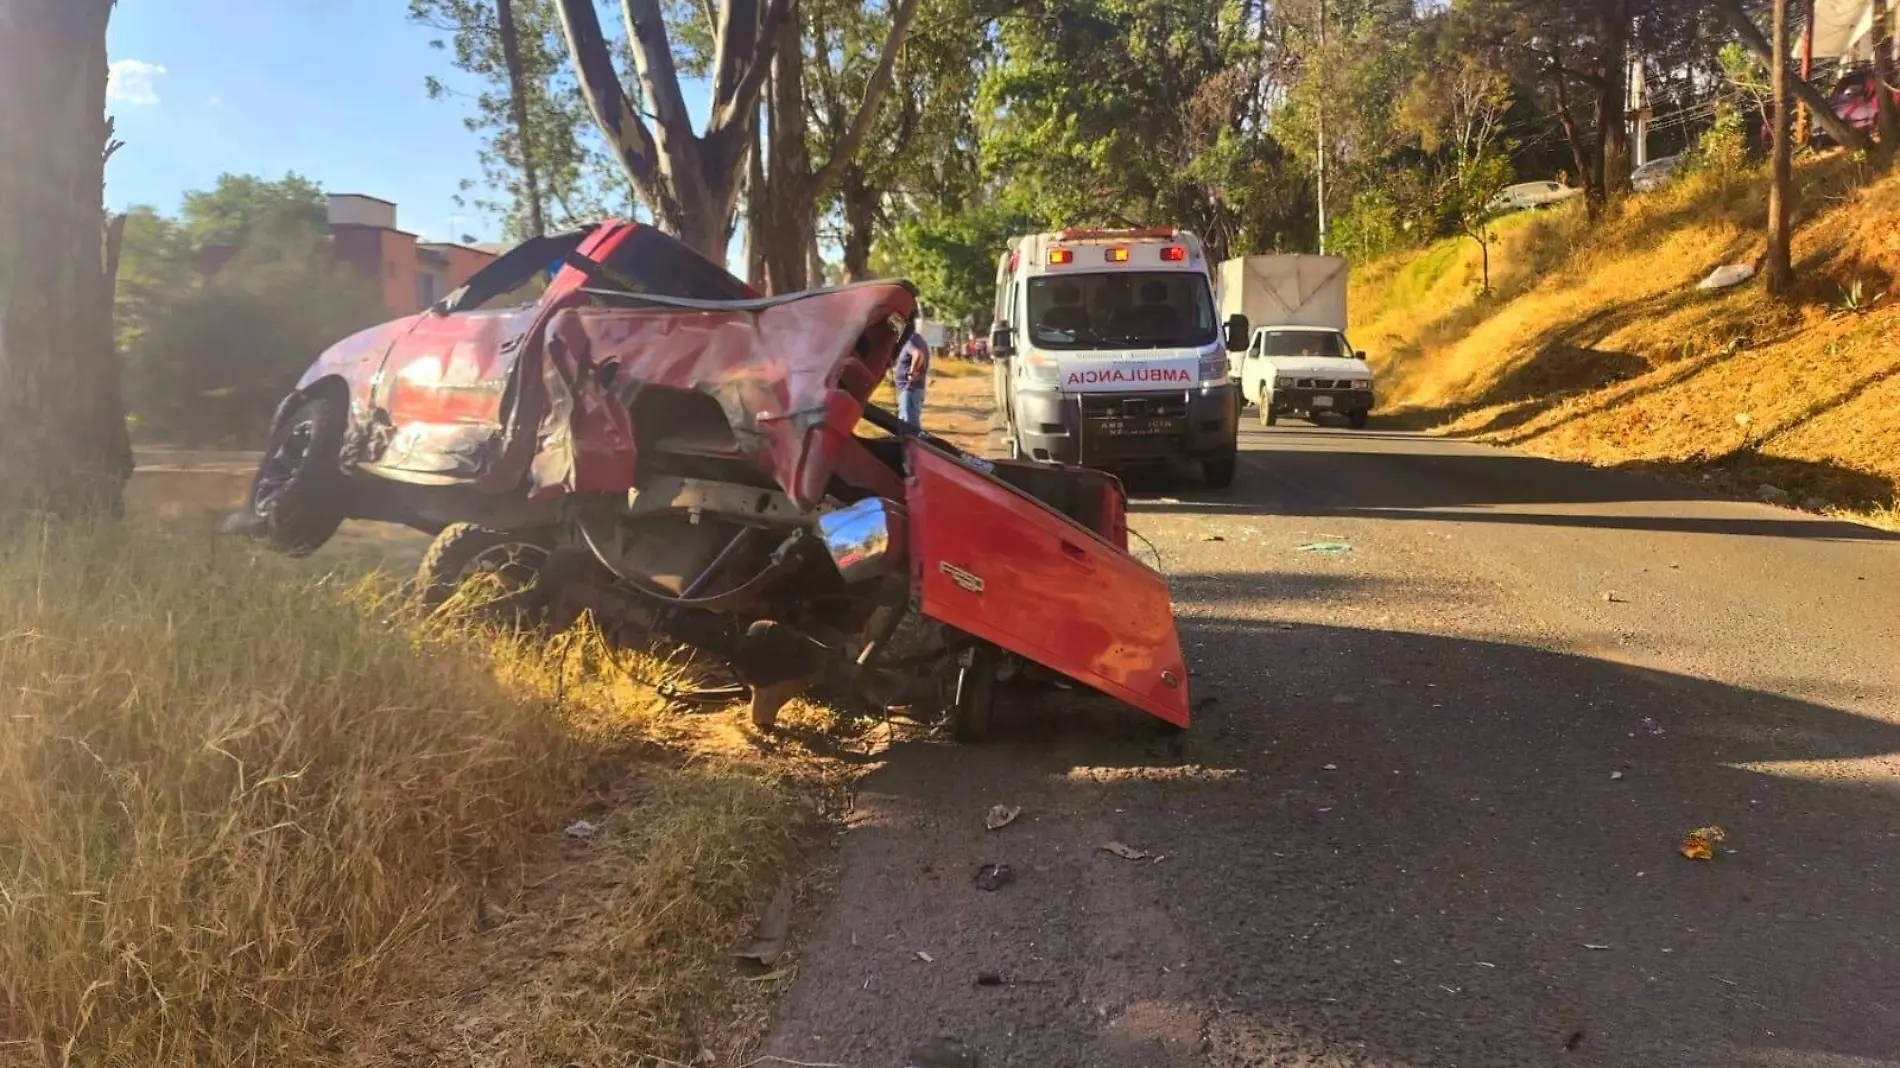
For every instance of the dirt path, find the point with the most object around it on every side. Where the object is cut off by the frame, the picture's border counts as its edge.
(1430, 810)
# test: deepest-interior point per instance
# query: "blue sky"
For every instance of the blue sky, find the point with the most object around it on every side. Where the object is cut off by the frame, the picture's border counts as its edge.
(330, 89)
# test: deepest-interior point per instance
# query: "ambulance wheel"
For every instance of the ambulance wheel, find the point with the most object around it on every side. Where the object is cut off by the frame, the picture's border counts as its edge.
(1268, 417)
(973, 708)
(1219, 473)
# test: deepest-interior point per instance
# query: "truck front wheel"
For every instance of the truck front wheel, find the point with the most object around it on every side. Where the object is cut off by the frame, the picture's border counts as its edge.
(1357, 420)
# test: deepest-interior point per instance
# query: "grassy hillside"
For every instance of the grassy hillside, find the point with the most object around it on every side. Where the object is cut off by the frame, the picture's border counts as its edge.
(1596, 345)
(253, 816)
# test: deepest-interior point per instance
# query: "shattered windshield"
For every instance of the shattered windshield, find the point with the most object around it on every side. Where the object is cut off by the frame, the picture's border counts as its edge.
(1125, 309)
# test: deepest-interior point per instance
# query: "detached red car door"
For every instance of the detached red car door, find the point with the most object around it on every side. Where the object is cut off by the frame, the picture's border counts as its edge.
(996, 563)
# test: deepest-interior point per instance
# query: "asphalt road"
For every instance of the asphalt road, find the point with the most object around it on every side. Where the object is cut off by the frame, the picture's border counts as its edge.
(1429, 814)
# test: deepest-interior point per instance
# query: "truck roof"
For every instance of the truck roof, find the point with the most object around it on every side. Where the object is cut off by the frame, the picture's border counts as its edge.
(1090, 250)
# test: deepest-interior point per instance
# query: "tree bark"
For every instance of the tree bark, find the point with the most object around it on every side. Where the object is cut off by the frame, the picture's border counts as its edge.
(798, 189)
(63, 441)
(792, 208)
(758, 216)
(518, 109)
(690, 182)
(1887, 113)
(1779, 271)
(1750, 36)
(861, 203)
(1560, 94)
(1611, 166)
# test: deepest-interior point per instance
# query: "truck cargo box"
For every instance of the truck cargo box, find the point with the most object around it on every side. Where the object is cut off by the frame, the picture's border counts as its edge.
(1289, 290)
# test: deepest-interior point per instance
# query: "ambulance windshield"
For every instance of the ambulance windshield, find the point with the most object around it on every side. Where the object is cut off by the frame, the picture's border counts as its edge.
(1126, 309)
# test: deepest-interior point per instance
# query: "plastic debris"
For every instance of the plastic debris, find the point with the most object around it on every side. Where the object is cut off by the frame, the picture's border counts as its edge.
(1329, 767)
(1700, 843)
(1616, 776)
(1612, 597)
(582, 830)
(1124, 851)
(925, 957)
(1652, 726)
(1325, 548)
(994, 876)
(1728, 276)
(1001, 816)
(1594, 945)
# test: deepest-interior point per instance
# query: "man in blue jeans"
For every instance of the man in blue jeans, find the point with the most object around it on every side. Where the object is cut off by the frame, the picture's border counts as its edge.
(913, 364)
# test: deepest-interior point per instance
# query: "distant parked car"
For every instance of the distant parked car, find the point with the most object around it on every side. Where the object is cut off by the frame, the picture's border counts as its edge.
(1655, 174)
(1532, 195)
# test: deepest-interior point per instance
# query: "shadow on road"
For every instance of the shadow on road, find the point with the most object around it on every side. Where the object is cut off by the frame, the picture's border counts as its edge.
(1385, 848)
(1451, 482)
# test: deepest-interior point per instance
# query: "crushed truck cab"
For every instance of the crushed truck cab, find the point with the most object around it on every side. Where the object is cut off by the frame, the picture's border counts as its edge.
(1108, 352)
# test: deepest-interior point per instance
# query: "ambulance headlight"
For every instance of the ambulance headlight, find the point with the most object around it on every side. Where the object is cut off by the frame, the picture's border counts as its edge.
(1215, 369)
(1040, 370)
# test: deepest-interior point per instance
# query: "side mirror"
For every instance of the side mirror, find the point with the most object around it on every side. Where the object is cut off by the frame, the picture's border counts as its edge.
(1002, 341)
(1239, 332)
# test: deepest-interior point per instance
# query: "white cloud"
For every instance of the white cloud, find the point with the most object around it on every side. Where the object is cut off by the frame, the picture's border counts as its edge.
(214, 101)
(133, 82)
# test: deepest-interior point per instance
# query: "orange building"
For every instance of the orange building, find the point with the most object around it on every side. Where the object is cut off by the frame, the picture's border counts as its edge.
(410, 274)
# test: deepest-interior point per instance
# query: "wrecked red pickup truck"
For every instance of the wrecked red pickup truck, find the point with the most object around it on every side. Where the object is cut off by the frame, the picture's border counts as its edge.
(648, 440)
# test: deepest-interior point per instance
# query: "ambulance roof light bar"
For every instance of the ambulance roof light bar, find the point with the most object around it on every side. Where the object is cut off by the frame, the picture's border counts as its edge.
(1137, 234)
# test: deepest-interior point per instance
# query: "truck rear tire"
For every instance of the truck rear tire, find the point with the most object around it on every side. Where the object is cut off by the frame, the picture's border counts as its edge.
(464, 551)
(973, 710)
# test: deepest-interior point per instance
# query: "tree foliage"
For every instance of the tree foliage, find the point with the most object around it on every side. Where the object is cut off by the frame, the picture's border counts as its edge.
(573, 181)
(208, 353)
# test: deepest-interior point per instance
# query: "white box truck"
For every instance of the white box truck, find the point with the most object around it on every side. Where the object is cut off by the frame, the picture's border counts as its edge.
(1108, 352)
(1298, 361)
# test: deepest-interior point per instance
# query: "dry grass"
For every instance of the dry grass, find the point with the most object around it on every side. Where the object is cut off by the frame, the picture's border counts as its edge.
(252, 816)
(1597, 347)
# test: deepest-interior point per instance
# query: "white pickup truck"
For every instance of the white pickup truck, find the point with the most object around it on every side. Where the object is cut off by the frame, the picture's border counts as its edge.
(1298, 361)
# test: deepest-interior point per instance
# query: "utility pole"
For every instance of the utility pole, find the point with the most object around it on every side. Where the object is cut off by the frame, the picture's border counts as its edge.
(1322, 131)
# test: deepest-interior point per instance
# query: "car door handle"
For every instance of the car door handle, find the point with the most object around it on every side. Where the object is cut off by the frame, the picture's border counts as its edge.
(1077, 554)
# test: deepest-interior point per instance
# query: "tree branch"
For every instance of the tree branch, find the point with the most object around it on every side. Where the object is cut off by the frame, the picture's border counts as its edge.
(659, 78)
(874, 90)
(732, 104)
(627, 137)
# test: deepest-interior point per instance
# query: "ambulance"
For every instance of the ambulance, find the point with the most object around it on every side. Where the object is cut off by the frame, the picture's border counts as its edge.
(1109, 354)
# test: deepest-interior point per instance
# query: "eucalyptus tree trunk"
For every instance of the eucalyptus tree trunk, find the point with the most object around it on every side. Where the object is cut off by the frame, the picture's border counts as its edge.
(63, 441)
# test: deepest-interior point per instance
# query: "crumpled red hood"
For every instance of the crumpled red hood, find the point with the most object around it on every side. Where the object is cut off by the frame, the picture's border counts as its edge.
(782, 369)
